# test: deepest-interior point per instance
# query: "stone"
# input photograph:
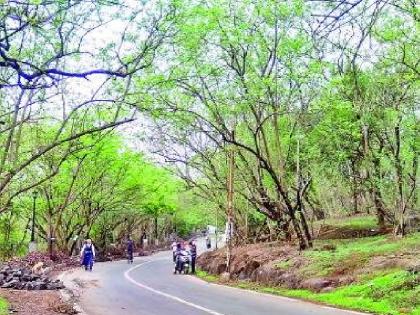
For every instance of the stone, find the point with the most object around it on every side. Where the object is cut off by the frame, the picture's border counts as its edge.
(329, 247)
(34, 277)
(5, 270)
(225, 277)
(39, 285)
(25, 279)
(10, 284)
(29, 286)
(20, 286)
(316, 284)
(243, 276)
(289, 280)
(55, 286)
(414, 268)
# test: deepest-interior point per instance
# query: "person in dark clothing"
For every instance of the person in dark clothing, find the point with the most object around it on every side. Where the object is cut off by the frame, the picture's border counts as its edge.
(193, 251)
(178, 261)
(130, 250)
(208, 242)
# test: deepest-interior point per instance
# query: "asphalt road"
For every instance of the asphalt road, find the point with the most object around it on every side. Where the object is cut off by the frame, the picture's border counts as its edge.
(148, 287)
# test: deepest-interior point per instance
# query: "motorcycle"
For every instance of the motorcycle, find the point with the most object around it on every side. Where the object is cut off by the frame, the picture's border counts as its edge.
(184, 265)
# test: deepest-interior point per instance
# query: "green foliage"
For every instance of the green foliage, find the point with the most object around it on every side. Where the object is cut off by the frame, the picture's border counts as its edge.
(3, 307)
(356, 222)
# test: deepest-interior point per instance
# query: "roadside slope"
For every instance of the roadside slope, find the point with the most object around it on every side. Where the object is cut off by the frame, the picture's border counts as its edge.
(377, 274)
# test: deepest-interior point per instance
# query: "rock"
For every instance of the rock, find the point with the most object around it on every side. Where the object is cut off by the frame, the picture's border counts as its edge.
(20, 286)
(55, 286)
(289, 280)
(414, 268)
(34, 277)
(329, 247)
(39, 285)
(316, 284)
(5, 270)
(10, 284)
(25, 279)
(29, 286)
(243, 276)
(267, 274)
(346, 280)
(224, 277)
(47, 270)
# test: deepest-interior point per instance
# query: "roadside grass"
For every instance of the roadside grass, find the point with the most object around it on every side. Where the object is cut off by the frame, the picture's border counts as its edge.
(3, 307)
(356, 222)
(393, 293)
(206, 276)
(353, 253)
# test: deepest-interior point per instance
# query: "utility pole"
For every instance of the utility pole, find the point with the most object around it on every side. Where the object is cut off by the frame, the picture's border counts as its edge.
(229, 232)
(217, 226)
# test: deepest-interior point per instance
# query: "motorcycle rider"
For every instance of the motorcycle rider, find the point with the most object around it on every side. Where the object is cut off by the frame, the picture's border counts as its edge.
(182, 255)
(177, 255)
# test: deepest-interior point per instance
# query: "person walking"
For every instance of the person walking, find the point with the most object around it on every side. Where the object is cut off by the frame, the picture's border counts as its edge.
(208, 242)
(130, 250)
(87, 254)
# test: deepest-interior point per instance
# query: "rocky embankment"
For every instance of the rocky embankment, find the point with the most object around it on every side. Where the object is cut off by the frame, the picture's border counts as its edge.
(35, 271)
(26, 279)
(321, 269)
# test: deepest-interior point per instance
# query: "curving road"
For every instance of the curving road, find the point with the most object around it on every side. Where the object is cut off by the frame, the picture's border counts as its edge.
(148, 287)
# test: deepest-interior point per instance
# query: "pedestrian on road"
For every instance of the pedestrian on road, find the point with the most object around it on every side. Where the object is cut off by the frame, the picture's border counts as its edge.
(87, 255)
(208, 242)
(193, 251)
(130, 250)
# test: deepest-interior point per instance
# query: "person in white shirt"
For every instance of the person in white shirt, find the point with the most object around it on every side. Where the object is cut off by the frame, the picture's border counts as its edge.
(174, 247)
(87, 255)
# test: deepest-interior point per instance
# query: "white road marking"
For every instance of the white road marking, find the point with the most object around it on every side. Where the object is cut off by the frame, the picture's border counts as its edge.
(175, 298)
(169, 296)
